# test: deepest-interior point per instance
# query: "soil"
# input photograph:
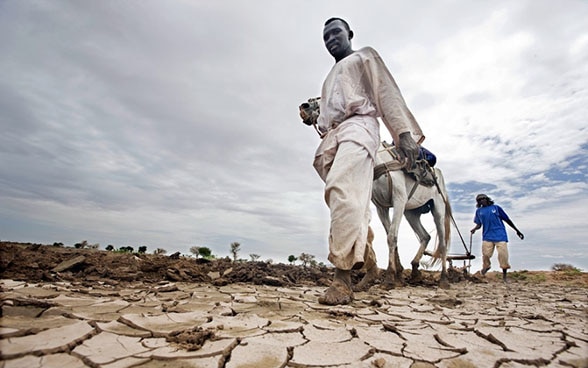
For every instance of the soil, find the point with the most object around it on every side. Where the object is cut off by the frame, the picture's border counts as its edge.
(38, 262)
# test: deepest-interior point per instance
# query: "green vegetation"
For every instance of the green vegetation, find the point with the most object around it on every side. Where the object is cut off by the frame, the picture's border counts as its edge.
(524, 275)
(81, 245)
(203, 252)
(84, 245)
(307, 259)
(566, 268)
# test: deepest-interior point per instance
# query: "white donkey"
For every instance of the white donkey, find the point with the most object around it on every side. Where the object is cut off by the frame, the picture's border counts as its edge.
(393, 188)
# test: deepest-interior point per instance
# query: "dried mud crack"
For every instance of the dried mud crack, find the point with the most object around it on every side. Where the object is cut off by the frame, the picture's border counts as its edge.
(80, 308)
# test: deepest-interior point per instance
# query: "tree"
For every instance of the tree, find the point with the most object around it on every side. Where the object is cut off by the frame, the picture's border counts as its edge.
(142, 249)
(205, 252)
(126, 249)
(109, 247)
(254, 257)
(159, 251)
(306, 259)
(81, 245)
(235, 248)
(292, 258)
(195, 250)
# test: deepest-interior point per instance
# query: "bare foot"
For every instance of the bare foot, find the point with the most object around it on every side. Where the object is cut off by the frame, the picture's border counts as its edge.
(338, 293)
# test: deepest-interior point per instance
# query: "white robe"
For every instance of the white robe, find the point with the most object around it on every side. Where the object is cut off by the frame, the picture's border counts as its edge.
(357, 90)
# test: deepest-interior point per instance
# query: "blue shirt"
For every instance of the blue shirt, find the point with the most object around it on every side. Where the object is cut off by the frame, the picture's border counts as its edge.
(491, 217)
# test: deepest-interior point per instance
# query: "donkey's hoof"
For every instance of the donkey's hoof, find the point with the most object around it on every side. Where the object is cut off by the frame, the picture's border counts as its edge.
(391, 284)
(444, 284)
(416, 277)
(387, 285)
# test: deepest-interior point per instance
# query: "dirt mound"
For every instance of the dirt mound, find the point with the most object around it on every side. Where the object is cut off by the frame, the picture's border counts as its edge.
(36, 262)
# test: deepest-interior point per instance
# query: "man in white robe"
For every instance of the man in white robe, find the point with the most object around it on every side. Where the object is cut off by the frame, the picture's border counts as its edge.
(358, 89)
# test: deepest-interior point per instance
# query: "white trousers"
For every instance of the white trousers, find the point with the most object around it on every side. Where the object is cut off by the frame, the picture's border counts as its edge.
(348, 177)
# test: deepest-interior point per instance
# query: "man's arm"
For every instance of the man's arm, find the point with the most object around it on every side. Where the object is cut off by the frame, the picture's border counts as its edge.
(391, 106)
(475, 228)
(511, 224)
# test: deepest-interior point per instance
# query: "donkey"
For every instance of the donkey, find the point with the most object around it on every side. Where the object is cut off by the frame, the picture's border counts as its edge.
(394, 188)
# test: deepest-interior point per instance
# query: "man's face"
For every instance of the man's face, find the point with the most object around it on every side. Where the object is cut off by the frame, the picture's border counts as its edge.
(336, 38)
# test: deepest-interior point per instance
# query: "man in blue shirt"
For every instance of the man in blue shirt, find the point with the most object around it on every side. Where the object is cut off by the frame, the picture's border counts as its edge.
(491, 217)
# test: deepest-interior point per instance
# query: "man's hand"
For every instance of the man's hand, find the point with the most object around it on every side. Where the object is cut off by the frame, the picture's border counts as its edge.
(520, 235)
(408, 149)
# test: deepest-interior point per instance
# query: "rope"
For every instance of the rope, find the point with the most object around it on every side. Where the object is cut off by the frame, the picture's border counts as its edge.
(468, 252)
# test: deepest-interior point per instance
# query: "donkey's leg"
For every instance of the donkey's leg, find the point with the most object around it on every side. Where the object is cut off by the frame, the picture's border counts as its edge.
(414, 220)
(398, 266)
(393, 278)
(439, 217)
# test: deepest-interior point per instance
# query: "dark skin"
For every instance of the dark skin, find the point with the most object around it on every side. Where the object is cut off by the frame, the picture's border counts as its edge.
(484, 203)
(337, 40)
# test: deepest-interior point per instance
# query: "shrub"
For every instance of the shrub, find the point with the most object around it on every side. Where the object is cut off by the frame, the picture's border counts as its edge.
(195, 250)
(307, 259)
(205, 252)
(564, 267)
(81, 245)
(525, 275)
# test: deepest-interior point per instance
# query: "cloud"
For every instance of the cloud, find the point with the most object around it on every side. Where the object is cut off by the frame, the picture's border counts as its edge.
(138, 123)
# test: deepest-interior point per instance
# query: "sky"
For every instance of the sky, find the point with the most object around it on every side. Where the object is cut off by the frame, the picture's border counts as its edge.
(173, 124)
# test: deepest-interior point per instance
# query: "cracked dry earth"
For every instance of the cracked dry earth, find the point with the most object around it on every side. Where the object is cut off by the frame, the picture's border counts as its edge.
(178, 324)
